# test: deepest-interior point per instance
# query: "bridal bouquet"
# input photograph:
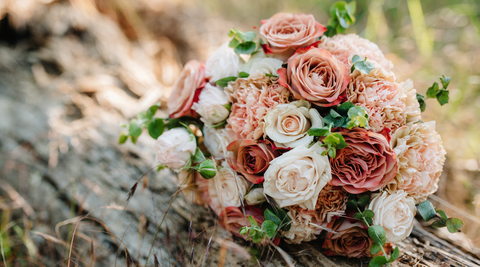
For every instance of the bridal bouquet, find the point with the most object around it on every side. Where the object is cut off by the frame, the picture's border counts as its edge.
(304, 134)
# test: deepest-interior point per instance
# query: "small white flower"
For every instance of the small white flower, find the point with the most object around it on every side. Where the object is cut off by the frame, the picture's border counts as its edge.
(174, 148)
(223, 63)
(211, 105)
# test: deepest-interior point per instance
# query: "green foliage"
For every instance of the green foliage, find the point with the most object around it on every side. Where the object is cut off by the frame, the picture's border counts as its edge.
(274, 221)
(279, 217)
(224, 81)
(198, 157)
(441, 94)
(347, 115)
(342, 16)
(428, 212)
(155, 128)
(242, 42)
(361, 65)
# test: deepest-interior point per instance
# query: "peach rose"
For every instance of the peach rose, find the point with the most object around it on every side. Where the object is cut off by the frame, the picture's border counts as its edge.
(350, 240)
(232, 218)
(367, 163)
(286, 31)
(420, 156)
(184, 89)
(315, 75)
(251, 159)
(344, 47)
(252, 98)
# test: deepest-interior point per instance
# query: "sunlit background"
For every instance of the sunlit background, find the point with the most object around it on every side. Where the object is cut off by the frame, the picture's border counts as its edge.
(424, 40)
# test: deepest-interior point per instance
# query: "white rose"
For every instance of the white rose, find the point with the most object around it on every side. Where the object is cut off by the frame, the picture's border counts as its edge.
(223, 63)
(298, 176)
(216, 141)
(259, 63)
(255, 196)
(229, 186)
(174, 148)
(394, 212)
(287, 124)
(211, 105)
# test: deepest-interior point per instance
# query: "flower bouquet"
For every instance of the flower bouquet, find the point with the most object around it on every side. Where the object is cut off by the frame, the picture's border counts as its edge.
(305, 134)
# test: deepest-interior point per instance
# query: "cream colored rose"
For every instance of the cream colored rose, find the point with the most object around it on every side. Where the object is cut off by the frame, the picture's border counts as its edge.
(174, 148)
(229, 186)
(222, 63)
(420, 155)
(255, 196)
(211, 105)
(287, 124)
(260, 63)
(304, 228)
(298, 176)
(394, 212)
(216, 140)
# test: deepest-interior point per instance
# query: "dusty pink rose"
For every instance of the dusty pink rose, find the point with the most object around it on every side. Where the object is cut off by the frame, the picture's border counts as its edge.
(185, 88)
(420, 159)
(367, 163)
(344, 47)
(315, 75)
(286, 31)
(252, 98)
(350, 240)
(232, 218)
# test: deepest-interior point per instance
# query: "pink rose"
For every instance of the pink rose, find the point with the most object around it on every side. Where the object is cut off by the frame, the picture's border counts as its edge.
(315, 75)
(185, 88)
(367, 163)
(286, 31)
(232, 218)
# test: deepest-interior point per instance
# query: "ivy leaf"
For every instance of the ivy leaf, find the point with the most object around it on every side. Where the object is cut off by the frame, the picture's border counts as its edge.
(270, 228)
(421, 101)
(123, 138)
(439, 223)
(443, 97)
(318, 131)
(269, 215)
(375, 248)
(246, 48)
(445, 81)
(377, 261)
(426, 210)
(442, 214)
(156, 128)
(224, 81)
(433, 91)
(454, 225)
(363, 201)
(377, 234)
(134, 129)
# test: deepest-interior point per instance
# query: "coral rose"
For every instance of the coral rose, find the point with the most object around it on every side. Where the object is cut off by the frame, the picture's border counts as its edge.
(229, 186)
(191, 78)
(287, 124)
(395, 213)
(174, 148)
(250, 158)
(232, 218)
(367, 163)
(350, 239)
(252, 98)
(420, 158)
(286, 31)
(297, 177)
(344, 47)
(315, 75)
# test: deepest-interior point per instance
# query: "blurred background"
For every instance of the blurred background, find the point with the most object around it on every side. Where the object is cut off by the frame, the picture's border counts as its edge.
(72, 70)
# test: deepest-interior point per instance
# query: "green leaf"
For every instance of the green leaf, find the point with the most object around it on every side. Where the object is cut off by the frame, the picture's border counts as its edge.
(442, 214)
(283, 216)
(368, 214)
(270, 75)
(445, 81)
(334, 114)
(358, 121)
(155, 128)
(363, 201)
(246, 36)
(344, 108)
(252, 221)
(426, 210)
(352, 204)
(243, 74)
(363, 65)
(377, 234)
(395, 254)
(246, 48)
(356, 111)
(318, 131)
(151, 111)
(369, 220)
(377, 261)
(258, 237)
(134, 129)
(443, 97)
(421, 101)
(269, 215)
(218, 125)
(358, 216)
(228, 106)
(234, 43)
(142, 117)
(134, 139)
(123, 138)
(335, 122)
(270, 228)
(243, 230)
(198, 157)
(331, 31)
(439, 223)
(224, 81)
(433, 91)
(207, 169)
(375, 248)
(454, 225)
